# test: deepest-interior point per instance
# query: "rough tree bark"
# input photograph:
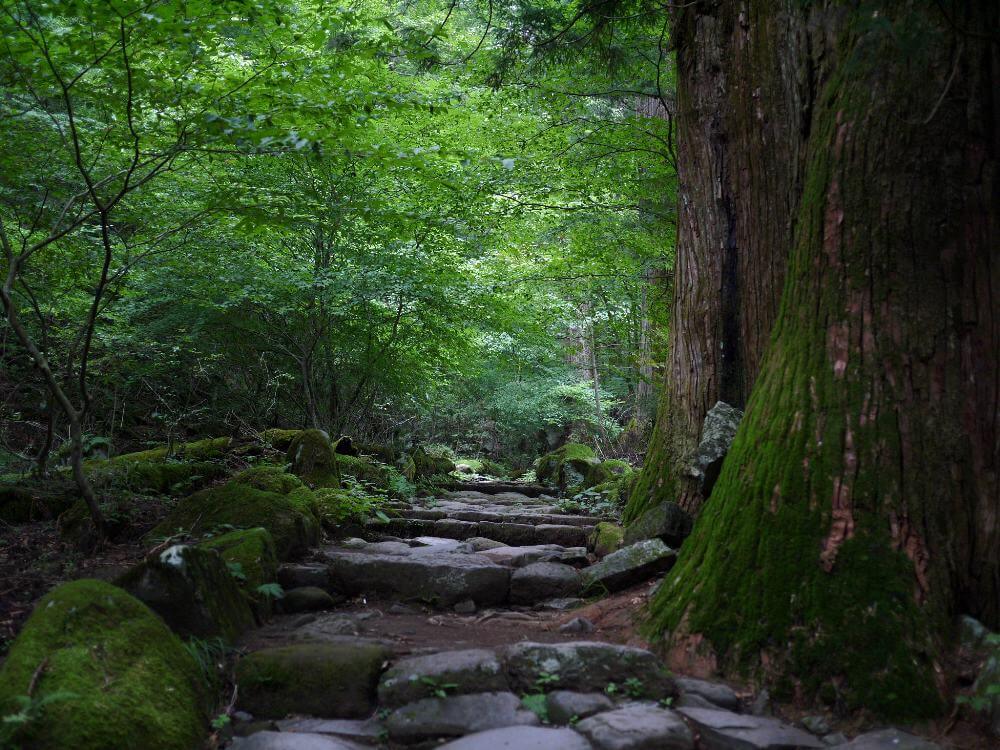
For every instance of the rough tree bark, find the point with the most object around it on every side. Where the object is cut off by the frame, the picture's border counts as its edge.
(859, 508)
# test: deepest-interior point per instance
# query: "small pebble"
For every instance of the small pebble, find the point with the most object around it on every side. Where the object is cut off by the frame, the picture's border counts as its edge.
(577, 625)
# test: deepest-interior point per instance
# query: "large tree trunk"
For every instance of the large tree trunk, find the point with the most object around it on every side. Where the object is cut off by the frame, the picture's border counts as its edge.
(859, 508)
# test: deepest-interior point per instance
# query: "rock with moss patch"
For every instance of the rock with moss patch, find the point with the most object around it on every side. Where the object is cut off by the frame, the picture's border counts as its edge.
(329, 680)
(251, 559)
(157, 476)
(428, 462)
(567, 467)
(307, 599)
(279, 438)
(717, 435)
(193, 591)
(666, 521)
(109, 672)
(628, 566)
(263, 497)
(606, 538)
(606, 471)
(310, 453)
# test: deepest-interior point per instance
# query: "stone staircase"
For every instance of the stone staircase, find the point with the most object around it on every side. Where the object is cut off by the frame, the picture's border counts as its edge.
(452, 626)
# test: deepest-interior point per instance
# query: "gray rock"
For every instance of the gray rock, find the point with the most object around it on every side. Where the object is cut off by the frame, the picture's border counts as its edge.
(543, 580)
(837, 738)
(465, 607)
(441, 578)
(720, 695)
(761, 705)
(298, 576)
(889, 739)
(564, 705)
(389, 548)
(563, 534)
(665, 521)
(717, 435)
(402, 609)
(367, 731)
(292, 741)
(518, 557)
(637, 728)
(628, 566)
(816, 724)
(307, 599)
(586, 666)
(457, 715)
(577, 625)
(481, 544)
(470, 671)
(559, 605)
(691, 700)
(513, 534)
(972, 633)
(521, 738)
(724, 730)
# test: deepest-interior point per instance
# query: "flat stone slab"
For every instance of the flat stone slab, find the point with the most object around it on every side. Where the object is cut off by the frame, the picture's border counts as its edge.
(518, 557)
(514, 534)
(367, 731)
(543, 580)
(456, 716)
(724, 730)
(628, 566)
(586, 666)
(638, 727)
(521, 738)
(889, 739)
(565, 705)
(469, 671)
(440, 578)
(293, 741)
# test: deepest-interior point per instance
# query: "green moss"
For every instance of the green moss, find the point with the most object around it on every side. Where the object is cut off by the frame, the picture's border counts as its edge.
(279, 439)
(199, 450)
(338, 506)
(606, 538)
(567, 467)
(269, 479)
(154, 476)
(310, 453)
(322, 679)
(430, 462)
(291, 518)
(132, 682)
(253, 551)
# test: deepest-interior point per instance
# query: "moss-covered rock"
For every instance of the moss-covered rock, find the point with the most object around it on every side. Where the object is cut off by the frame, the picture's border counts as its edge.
(110, 674)
(666, 521)
(199, 450)
(250, 555)
(310, 453)
(365, 470)
(278, 438)
(606, 538)
(269, 479)
(290, 517)
(154, 476)
(337, 506)
(428, 462)
(606, 471)
(192, 589)
(567, 467)
(329, 680)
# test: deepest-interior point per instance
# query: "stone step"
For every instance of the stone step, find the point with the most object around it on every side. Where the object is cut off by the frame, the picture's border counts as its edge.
(514, 534)
(495, 488)
(431, 514)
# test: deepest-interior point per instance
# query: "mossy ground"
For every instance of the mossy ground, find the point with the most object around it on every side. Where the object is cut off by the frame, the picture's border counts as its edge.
(128, 681)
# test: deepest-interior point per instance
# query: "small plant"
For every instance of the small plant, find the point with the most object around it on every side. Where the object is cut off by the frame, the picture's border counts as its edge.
(536, 703)
(220, 722)
(271, 590)
(545, 679)
(236, 570)
(209, 654)
(634, 688)
(30, 709)
(612, 689)
(439, 689)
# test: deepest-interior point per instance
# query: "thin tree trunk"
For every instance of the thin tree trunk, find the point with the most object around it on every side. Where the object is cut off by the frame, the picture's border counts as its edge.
(857, 512)
(596, 380)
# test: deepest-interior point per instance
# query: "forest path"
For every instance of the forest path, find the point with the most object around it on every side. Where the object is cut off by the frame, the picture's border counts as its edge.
(462, 622)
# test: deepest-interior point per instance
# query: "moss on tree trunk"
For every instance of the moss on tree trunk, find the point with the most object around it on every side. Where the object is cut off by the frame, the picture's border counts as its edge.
(857, 511)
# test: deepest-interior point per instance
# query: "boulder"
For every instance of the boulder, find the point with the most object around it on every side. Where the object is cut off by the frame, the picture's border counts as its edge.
(330, 680)
(439, 578)
(628, 566)
(722, 696)
(26, 503)
(109, 671)
(889, 739)
(250, 555)
(543, 580)
(637, 727)
(606, 538)
(293, 576)
(192, 589)
(520, 738)
(567, 467)
(310, 453)
(724, 730)
(587, 667)
(518, 557)
(665, 521)
(263, 497)
(717, 434)
(429, 462)
(457, 715)
(456, 672)
(564, 706)
(307, 599)
(368, 731)
(279, 438)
